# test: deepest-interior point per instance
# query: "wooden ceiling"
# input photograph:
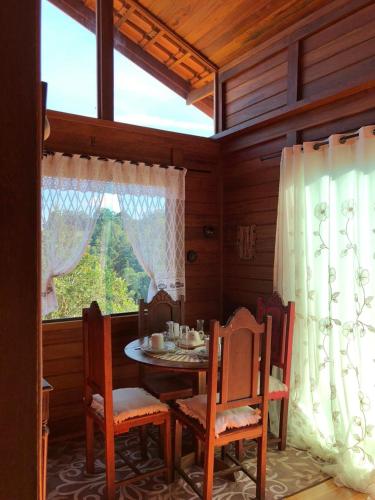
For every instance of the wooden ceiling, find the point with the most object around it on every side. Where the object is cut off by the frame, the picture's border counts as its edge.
(183, 42)
(224, 29)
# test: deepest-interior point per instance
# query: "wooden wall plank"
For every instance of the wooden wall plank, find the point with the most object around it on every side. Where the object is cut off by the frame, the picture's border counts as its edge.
(331, 71)
(63, 340)
(20, 339)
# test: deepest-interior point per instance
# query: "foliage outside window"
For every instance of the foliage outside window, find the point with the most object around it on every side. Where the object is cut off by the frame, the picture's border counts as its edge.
(108, 273)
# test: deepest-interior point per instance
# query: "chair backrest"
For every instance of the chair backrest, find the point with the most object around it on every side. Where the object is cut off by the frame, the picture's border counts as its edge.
(153, 315)
(97, 350)
(282, 330)
(242, 341)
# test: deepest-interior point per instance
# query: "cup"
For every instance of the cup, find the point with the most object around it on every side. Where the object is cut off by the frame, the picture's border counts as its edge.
(157, 341)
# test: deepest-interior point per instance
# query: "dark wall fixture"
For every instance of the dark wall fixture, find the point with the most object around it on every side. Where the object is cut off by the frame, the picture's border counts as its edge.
(208, 231)
(191, 256)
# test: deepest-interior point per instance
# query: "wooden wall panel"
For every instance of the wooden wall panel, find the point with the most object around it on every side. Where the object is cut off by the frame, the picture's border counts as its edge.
(257, 90)
(335, 53)
(331, 90)
(63, 340)
(342, 52)
(20, 332)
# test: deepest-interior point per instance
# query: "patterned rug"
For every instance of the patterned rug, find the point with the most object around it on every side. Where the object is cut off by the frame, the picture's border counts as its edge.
(288, 472)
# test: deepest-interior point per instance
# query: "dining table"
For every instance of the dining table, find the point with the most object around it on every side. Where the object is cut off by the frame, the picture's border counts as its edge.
(181, 361)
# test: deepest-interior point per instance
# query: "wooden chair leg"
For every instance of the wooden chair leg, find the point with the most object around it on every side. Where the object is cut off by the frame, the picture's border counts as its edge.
(143, 441)
(90, 467)
(198, 451)
(168, 450)
(261, 468)
(209, 460)
(161, 441)
(177, 443)
(283, 426)
(110, 465)
(240, 450)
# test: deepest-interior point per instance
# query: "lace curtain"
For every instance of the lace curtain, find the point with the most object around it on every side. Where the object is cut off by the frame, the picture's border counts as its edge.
(152, 202)
(72, 193)
(325, 262)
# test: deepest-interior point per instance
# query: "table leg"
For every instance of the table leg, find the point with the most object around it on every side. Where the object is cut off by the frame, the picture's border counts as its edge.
(200, 383)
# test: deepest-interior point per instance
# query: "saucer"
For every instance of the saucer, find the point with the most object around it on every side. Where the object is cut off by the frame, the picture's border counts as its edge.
(168, 347)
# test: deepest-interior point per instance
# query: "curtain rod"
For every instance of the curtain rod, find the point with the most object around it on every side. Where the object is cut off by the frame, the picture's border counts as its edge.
(317, 145)
(47, 152)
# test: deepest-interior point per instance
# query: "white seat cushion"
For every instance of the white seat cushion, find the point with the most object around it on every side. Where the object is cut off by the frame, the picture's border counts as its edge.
(275, 385)
(129, 403)
(196, 406)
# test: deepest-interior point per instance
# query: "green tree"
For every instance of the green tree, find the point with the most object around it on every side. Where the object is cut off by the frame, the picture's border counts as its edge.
(87, 282)
(109, 272)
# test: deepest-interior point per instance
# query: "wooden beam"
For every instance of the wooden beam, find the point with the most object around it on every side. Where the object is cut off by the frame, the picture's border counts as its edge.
(155, 68)
(181, 42)
(218, 104)
(196, 95)
(20, 327)
(104, 51)
(293, 93)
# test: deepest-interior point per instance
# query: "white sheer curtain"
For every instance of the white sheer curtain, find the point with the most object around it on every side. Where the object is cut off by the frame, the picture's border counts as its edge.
(72, 192)
(325, 262)
(152, 202)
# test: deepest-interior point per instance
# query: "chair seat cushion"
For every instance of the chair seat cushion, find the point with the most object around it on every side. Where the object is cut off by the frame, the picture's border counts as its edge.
(196, 406)
(129, 403)
(275, 385)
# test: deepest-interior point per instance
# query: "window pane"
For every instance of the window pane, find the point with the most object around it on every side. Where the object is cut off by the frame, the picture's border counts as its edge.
(141, 99)
(108, 272)
(68, 63)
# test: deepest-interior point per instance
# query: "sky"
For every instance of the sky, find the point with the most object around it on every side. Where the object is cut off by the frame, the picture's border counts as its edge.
(69, 68)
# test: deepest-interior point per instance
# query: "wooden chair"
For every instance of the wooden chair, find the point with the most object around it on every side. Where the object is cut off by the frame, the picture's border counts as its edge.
(281, 353)
(240, 370)
(152, 318)
(115, 412)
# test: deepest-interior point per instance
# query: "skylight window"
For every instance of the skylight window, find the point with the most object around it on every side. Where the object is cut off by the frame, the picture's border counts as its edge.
(69, 67)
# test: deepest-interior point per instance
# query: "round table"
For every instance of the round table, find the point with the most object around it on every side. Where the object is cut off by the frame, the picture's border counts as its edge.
(133, 351)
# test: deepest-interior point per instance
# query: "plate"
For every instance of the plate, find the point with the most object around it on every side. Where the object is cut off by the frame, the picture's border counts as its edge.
(168, 347)
(202, 353)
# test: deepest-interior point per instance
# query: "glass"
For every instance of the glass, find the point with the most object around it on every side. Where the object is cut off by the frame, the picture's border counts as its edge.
(144, 342)
(200, 325)
(141, 99)
(184, 330)
(68, 62)
(170, 329)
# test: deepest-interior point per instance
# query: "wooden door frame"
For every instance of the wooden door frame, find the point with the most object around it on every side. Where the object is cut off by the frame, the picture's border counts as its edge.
(20, 322)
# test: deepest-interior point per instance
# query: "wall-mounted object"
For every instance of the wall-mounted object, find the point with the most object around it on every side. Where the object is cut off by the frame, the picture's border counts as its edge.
(208, 231)
(46, 129)
(246, 239)
(191, 256)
